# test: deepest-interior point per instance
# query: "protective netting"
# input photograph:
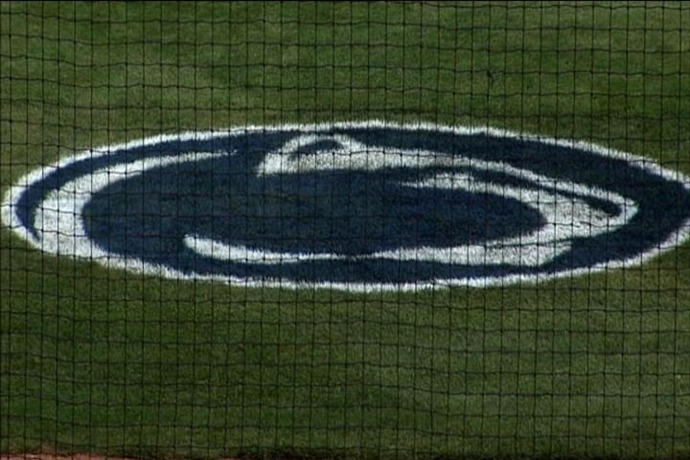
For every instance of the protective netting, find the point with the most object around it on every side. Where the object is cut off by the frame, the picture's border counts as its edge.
(345, 230)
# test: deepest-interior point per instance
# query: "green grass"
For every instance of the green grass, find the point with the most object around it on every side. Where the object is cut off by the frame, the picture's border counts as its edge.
(109, 362)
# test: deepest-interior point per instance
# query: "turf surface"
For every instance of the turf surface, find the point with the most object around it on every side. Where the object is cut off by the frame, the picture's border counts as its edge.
(110, 362)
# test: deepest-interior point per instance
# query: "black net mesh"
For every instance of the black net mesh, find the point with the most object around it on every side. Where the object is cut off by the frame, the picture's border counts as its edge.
(411, 230)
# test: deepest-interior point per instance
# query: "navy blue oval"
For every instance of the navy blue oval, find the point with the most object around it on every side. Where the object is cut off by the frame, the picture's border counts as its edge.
(345, 225)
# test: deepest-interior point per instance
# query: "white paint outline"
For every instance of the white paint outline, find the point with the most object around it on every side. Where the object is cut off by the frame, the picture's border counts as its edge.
(109, 260)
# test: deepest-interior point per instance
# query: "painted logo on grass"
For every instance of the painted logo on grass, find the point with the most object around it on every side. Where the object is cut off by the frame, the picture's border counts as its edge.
(357, 206)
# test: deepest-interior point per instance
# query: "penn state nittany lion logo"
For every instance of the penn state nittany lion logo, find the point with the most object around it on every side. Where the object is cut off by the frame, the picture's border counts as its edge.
(357, 206)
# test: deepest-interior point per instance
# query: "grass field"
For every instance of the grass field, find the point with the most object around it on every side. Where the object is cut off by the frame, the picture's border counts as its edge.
(93, 360)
